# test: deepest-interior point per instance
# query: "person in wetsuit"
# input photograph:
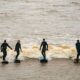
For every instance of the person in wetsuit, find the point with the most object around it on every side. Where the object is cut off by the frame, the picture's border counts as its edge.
(78, 49)
(17, 49)
(44, 47)
(4, 49)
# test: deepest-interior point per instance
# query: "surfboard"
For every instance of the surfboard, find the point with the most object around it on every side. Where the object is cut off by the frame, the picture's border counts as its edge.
(17, 61)
(5, 62)
(43, 60)
(76, 61)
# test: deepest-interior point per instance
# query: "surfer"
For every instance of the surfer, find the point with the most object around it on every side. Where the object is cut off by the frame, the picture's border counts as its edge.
(4, 49)
(78, 50)
(18, 49)
(43, 48)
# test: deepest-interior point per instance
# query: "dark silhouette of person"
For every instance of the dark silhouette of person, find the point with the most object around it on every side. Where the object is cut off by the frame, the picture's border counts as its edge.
(44, 47)
(78, 49)
(4, 49)
(17, 49)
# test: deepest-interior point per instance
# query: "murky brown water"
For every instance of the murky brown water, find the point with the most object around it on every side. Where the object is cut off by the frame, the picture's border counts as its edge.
(31, 69)
(31, 20)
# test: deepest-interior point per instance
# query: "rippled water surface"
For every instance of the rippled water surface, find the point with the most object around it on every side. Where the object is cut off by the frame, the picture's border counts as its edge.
(31, 20)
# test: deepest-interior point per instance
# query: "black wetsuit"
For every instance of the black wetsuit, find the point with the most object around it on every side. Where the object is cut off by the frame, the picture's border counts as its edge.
(17, 49)
(78, 50)
(4, 49)
(44, 46)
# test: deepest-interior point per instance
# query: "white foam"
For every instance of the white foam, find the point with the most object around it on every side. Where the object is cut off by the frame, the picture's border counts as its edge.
(63, 51)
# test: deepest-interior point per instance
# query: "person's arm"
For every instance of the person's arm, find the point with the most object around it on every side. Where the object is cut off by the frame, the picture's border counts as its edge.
(20, 48)
(47, 46)
(76, 46)
(1, 47)
(9, 46)
(15, 47)
(41, 45)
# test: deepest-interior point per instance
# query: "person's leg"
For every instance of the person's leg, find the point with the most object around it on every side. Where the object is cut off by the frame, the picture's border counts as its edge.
(4, 55)
(43, 53)
(17, 55)
(78, 57)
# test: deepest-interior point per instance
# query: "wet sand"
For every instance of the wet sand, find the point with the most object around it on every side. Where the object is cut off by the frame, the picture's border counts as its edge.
(31, 69)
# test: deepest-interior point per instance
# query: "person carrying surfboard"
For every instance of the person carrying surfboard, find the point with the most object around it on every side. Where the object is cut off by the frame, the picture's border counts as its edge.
(43, 48)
